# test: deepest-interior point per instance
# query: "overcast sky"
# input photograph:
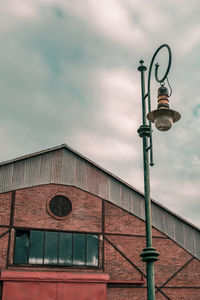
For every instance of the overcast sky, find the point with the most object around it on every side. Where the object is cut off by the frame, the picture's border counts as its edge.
(68, 74)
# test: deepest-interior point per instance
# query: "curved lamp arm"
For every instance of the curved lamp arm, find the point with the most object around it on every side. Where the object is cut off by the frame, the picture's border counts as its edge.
(163, 117)
(156, 71)
(149, 86)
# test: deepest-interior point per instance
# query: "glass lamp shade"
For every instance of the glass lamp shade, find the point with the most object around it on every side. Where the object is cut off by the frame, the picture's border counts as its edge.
(163, 122)
(163, 118)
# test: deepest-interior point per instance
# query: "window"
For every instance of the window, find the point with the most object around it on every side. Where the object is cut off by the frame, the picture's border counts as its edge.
(36, 247)
(59, 206)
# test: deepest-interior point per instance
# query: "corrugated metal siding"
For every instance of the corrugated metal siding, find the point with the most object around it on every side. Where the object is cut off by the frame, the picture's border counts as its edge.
(158, 217)
(137, 205)
(63, 166)
(114, 191)
(45, 168)
(169, 224)
(102, 183)
(68, 168)
(6, 176)
(188, 238)
(32, 169)
(81, 174)
(196, 235)
(18, 175)
(125, 197)
(56, 166)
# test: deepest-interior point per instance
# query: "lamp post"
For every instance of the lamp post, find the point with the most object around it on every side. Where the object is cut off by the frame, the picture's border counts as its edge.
(163, 118)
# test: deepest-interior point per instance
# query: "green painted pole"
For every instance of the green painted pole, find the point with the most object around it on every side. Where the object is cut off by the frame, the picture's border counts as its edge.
(149, 255)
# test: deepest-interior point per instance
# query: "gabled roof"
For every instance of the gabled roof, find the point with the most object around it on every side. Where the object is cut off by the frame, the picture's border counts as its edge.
(63, 165)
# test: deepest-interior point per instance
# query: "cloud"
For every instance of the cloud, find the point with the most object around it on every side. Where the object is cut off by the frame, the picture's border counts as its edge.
(191, 35)
(116, 96)
(111, 19)
(69, 74)
(21, 9)
(196, 109)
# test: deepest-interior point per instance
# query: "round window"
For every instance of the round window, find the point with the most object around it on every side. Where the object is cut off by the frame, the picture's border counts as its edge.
(60, 206)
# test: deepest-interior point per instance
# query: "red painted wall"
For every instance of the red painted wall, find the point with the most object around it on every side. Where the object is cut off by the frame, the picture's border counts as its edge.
(53, 286)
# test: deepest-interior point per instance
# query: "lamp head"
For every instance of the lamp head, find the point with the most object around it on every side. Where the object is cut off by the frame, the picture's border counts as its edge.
(163, 117)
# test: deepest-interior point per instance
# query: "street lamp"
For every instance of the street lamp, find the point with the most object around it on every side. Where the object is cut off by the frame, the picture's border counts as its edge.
(163, 118)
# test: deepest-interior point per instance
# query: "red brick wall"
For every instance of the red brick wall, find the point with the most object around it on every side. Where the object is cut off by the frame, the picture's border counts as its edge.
(31, 210)
(118, 220)
(176, 272)
(126, 294)
(125, 239)
(3, 246)
(5, 203)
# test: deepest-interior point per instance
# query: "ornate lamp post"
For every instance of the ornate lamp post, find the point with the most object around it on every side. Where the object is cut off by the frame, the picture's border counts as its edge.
(163, 118)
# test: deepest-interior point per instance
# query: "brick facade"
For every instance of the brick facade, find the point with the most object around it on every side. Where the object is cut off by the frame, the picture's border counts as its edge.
(122, 238)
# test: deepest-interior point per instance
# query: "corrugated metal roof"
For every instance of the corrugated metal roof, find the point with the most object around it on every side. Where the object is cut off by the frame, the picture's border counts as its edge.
(63, 165)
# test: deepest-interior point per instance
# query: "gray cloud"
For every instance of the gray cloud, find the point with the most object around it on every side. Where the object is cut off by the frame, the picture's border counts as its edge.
(68, 73)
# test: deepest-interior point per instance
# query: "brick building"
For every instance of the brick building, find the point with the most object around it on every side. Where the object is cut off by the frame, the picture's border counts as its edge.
(71, 230)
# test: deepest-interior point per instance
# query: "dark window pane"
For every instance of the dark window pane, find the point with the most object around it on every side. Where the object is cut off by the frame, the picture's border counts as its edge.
(65, 249)
(51, 248)
(36, 247)
(21, 247)
(92, 250)
(79, 249)
(43, 247)
(60, 206)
